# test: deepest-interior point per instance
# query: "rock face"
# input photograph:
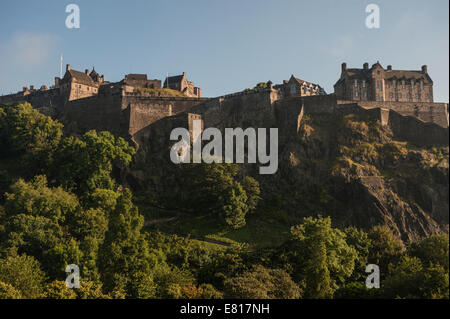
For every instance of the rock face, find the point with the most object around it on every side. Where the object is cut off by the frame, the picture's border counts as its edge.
(346, 165)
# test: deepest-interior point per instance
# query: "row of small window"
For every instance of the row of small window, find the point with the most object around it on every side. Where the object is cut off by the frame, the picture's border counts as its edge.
(394, 84)
(88, 88)
(391, 95)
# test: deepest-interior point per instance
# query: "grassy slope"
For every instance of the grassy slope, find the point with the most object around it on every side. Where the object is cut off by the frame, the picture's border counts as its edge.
(267, 228)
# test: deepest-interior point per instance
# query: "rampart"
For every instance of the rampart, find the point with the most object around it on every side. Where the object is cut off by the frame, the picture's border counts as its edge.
(426, 111)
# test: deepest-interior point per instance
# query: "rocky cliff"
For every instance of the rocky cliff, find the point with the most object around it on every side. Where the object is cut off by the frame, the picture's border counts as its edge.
(347, 166)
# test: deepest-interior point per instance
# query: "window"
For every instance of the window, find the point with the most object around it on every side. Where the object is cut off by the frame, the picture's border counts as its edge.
(409, 96)
(356, 83)
(391, 95)
(394, 82)
(399, 95)
(412, 84)
(356, 93)
(417, 96)
(365, 94)
(403, 84)
(293, 89)
(364, 83)
(421, 84)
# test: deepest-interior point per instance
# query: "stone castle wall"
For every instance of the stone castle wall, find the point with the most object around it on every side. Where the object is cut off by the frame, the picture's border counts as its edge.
(145, 110)
(426, 111)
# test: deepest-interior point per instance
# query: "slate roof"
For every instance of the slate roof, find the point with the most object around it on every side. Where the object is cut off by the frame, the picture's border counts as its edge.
(136, 77)
(81, 77)
(175, 78)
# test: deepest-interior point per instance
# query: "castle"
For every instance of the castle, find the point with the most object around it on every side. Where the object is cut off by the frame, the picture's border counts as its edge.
(379, 84)
(75, 85)
(397, 98)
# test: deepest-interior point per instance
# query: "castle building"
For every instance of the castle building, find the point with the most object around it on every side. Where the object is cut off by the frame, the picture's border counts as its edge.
(379, 84)
(76, 85)
(298, 87)
(141, 81)
(180, 83)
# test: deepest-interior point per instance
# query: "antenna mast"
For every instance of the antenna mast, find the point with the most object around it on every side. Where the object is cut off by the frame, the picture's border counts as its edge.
(60, 66)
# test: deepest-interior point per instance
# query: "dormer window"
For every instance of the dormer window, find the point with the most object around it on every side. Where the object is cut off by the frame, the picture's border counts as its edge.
(403, 84)
(356, 83)
(412, 84)
(394, 83)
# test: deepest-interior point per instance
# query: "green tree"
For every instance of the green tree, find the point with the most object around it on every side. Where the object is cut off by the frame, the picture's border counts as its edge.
(58, 290)
(85, 164)
(28, 134)
(24, 274)
(432, 249)
(262, 283)
(217, 189)
(7, 291)
(385, 248)
(36, 199)
(124, 255)
(319, 257)
(410, 279)
(359, 240)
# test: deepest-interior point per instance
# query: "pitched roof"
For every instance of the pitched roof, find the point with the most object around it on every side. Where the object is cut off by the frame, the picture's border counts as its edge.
(388, 74)
(136, 77)
(175, 78)
(81, 77)
(405, 74)
(300, 81)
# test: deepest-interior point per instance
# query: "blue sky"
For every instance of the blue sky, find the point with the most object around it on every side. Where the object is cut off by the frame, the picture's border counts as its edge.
(223, 46)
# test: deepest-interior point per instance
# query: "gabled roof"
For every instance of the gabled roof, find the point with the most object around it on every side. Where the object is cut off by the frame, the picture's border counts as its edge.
(81, 77)
(302, 82)
(175, 78)
(136, 77)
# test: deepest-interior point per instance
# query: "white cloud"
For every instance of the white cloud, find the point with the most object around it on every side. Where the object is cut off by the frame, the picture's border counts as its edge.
(27, 50)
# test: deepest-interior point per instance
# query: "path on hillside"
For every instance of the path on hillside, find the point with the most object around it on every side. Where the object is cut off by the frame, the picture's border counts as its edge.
(151, 222)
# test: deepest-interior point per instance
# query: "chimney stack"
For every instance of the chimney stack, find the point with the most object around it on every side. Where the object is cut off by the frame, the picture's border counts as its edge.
(57, 79)
(424, 69)
(31, 87)
(86, 71)
(389, 67)
(24, 88)
(366, 66)
(344, 67)
(67, 67)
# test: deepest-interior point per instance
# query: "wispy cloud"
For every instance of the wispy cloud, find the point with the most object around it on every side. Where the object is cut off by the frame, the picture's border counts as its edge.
(27, 50)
